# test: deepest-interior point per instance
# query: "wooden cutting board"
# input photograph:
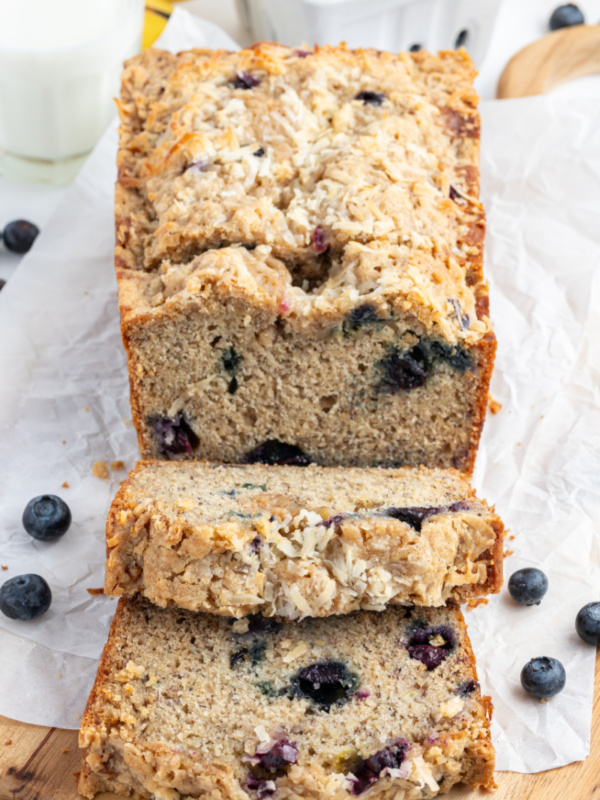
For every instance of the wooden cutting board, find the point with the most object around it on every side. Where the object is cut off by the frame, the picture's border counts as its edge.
(39, 763)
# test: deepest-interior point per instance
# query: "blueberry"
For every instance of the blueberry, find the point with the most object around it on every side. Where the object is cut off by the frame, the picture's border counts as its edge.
(467, 687)
(275, 452)
(566, 16)
(587, 623)
(458, 358)
(46, 517)
(415, 516)
(25, 597)
(543, 677)
(319, 240)
(173, 435)
(370, 98)
(277, 756)
(406, 371)
(431, 655)
(414, 48)
(244, 80)
(366, 771)
(20, 235)
(528, 586)
(259, 153)
(326, 683)
(230, 360)
(365, 314)
(262, 787)
(2, 284)
(461, 39)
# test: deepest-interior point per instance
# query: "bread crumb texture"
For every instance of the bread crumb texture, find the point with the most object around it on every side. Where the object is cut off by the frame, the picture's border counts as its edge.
(372, 704)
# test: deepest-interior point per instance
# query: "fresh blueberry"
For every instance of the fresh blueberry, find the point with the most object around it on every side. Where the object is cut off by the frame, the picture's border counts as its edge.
(173, 435)
(2, 284)
(543, 677)
(46, 517)
(20, 235)
(587, 623)
(421, 648)
(25, 597)
(366, 771)
(406, 371)
(275, 452)
(370, 98)
(461, 39)
(414, 48)
(528, 586)
(326, 683)
(244, 80)
(566, 16)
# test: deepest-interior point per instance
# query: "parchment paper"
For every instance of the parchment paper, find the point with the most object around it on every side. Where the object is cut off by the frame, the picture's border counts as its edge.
(64, 405)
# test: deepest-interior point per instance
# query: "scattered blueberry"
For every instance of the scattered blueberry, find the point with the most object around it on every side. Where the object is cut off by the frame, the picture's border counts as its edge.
(406, 371)
(319, 240)
(587, 623)
(275, 452)
(370, 98)
(173, 435)
(431, 655)
(2, 284)
(244, 80)
(415, 516)
(20, 235)
(25, 597)
(366, 771)
(543, 677)
(262, 787)
(326, 683)
(46, 517)
(414, 48)
(461, 39)
(566, 16)
(528, 586)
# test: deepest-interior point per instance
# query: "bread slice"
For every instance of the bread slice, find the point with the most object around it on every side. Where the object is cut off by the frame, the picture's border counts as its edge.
(299, 255)
(374, 705)
(299, 541)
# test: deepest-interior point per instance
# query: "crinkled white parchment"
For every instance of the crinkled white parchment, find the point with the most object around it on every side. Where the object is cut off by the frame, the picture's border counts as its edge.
(64, 404)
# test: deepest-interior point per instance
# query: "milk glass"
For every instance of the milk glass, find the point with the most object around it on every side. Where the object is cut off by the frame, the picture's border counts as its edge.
(60, 62)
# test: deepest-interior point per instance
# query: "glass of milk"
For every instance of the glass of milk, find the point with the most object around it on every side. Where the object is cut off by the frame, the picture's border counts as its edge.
(60, 62)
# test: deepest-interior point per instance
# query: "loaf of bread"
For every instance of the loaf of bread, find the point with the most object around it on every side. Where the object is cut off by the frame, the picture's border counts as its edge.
(380, 705)
(299, 256)
(299, 541)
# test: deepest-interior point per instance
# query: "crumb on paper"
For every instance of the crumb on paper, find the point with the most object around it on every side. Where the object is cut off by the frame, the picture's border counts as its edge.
(86, 408)
(59, 674)
(519, 444)
(511, 537)
(100, 470)
(493, 405)
(77, 716)
(64, 441)
(96, 591)
(65, 485)
(77, 775)
(474, 602)
(4, 567)
(64, 750)
(508, 553)
(117, 465)
(8, 742)
(127, 420)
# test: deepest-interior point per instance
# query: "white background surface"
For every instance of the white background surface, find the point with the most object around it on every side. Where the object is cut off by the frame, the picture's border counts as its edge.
(539, 459)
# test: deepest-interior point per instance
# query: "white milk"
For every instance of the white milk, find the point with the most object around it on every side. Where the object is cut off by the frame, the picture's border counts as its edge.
(60, 62)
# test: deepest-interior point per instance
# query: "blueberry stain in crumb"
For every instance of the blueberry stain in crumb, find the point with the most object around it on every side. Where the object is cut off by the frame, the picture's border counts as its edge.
(367, 771)
(456, 357)
(365, 314)
(467, 688)
(245, 80)
(431, 645)
(275, 452)
(46, 517)
(319, 240)
(402, 372)
(370, 98)
(173, 435)
(325, 683)
(415, 516)
(20, 235)
(260, 152)
(276, 755)
(262, 786)
(25, 597)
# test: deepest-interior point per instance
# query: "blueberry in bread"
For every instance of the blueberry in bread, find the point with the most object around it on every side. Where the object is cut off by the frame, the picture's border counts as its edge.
(374, 705)
(299, 256)
(300, 541)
